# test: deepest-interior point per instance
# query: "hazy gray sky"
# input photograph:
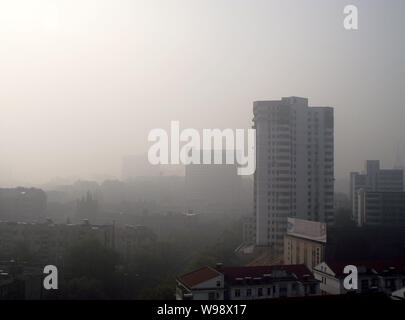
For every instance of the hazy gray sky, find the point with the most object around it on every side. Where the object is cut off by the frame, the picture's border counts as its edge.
(83, 82)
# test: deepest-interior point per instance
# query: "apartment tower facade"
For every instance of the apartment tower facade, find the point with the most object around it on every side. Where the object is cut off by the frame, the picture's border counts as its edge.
(294, 166)
(374, 179)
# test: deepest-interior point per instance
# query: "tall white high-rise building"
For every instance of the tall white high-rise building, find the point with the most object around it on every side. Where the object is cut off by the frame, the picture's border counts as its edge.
(294, 166)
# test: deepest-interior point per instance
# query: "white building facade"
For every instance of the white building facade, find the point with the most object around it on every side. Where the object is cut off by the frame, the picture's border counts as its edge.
(379, 276)
(294, 166)
(247, 283)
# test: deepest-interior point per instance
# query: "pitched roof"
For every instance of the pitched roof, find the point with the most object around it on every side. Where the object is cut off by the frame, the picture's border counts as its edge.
(378, 266)
(194, 278)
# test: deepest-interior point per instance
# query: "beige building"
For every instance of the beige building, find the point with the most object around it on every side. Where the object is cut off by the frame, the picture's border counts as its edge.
(303, 251)
(305, 243)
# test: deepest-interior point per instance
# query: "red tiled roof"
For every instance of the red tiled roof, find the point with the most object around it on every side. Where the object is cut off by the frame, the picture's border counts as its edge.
(199, 276)
(378, 266)
(231, 273)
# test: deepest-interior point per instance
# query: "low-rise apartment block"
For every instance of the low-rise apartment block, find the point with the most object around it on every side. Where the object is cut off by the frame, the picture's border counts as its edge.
(247, 283)
(47, 242)
(373, 276)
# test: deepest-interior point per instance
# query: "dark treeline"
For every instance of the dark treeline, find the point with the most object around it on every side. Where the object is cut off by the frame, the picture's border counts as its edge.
(92, 271)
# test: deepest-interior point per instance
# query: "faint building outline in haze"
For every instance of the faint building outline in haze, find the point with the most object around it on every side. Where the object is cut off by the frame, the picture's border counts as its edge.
(134, 166)
(373, 179)
(184, 147)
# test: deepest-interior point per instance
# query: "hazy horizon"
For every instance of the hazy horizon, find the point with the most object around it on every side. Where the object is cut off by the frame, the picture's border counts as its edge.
(83, 82)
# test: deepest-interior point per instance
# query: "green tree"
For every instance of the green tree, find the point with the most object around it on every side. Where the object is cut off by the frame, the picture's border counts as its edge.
(21, 251)
(83, 289)
(89, 258)
(91, 272)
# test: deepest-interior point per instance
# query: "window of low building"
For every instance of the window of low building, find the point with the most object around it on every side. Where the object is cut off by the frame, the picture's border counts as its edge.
(283, 292)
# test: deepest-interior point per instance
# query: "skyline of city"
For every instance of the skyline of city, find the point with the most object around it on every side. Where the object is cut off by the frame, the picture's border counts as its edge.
(216, 151)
